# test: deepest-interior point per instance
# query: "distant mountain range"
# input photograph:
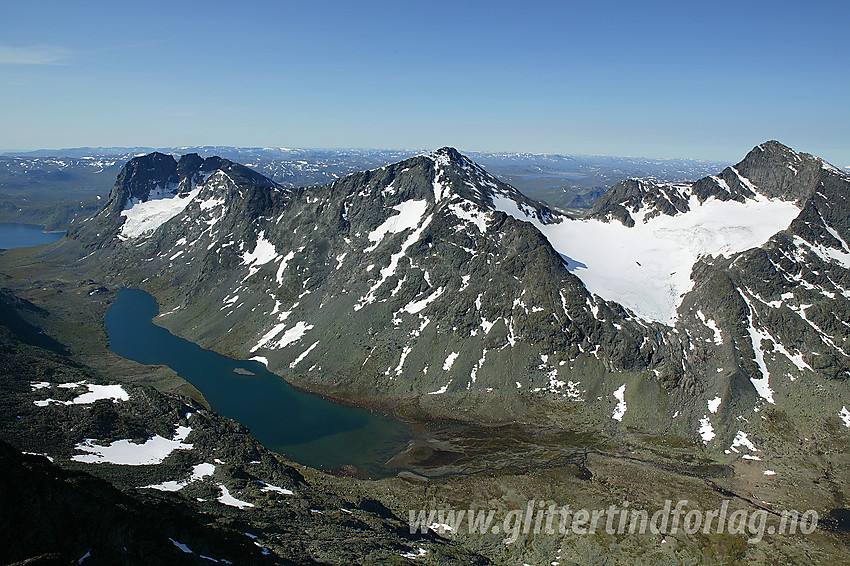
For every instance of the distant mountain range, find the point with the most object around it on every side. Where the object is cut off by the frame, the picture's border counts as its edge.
(77, 175)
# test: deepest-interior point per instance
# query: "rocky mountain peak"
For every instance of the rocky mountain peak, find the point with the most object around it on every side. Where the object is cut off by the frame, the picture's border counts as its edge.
(144, 174)
(631, 195)
(780, 172)
(158, 175)
(450, 156)
(151, 189)
(771, 154)
(442, 179)
(458, 176)
(189, 165)
(770, 171)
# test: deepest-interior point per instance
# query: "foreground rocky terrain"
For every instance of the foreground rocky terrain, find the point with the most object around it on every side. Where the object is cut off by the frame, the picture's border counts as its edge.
(186, 486)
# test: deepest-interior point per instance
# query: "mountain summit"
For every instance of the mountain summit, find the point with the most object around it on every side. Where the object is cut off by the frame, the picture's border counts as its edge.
(151, 189)
(429, 285)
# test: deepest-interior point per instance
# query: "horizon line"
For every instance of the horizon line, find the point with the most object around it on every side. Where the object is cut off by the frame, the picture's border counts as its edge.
(20, 152)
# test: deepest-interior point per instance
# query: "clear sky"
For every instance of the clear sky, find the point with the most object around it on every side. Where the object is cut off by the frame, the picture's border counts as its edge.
(707, 79)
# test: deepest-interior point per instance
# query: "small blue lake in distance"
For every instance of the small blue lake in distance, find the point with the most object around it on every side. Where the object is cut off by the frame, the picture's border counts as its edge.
(305, 428)
(15, 235)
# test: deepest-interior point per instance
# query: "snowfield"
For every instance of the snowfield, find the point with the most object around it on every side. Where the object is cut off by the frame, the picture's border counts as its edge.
(647, 268)
(264, 252)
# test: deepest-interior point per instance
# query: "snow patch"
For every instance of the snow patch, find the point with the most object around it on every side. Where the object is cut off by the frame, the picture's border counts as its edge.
(127, 453)
(228, 499)
(718, 338)
(394, 259)
(145, 217)
(825, 253)
(409, 215)
(199, 472)
(114, 393)
(714, 404)
(303, 355)
(441, 390)
(762, 384)
(844, 414)
(275, 489)
(469, 213)
(741, 441)
(294, 334)
(268, 336)
(289, 337)
(413, 555)
(181, 546)
(620, 409)
(404, 353)
(264, 252)
(286, 259)
(706, 431)
(416, 306)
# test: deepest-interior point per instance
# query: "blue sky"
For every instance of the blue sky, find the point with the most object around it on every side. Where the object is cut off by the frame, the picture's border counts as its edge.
(658, 79)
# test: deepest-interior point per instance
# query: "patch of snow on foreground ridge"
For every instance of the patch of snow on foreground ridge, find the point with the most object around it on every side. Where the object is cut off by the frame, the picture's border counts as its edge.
(276, 489)
(264, 252)
(647, 268)
(144, 217)
(227, 499)
(127, 453)
(95, 393)
(199, 472)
